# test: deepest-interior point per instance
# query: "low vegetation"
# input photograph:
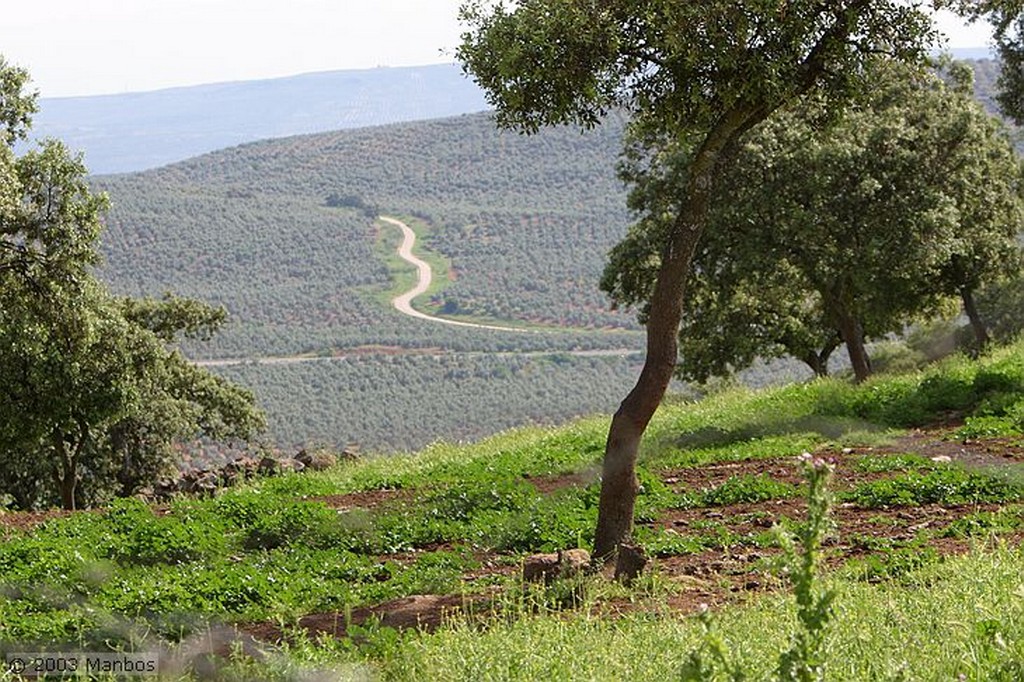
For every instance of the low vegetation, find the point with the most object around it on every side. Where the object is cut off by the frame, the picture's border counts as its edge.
(322, 568)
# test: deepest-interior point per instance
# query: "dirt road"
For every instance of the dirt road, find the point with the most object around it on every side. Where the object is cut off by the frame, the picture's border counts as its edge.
(425, 276)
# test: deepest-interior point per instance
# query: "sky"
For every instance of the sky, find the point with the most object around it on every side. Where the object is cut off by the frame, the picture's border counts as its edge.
(90, 47)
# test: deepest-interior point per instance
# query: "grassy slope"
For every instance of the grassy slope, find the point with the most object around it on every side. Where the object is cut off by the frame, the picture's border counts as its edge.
(267, 552)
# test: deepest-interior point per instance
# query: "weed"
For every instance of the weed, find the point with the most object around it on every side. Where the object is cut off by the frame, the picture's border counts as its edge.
(747, 488)
(948, 485)
(897, 561)
(984, 524)
(804, 660)
(874, 464)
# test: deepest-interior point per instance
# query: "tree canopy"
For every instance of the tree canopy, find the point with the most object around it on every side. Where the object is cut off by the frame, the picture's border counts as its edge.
(826, 224)
(704, 73)
(91, 394)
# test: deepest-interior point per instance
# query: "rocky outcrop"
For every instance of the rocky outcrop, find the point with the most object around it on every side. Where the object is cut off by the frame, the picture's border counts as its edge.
(206, 482)
(548, 567)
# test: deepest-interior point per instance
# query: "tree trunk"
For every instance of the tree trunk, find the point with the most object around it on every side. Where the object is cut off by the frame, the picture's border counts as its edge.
(814, 361)
(618, 478)
(853, 336)
(66, 469)
(818, 360)
(980, 331)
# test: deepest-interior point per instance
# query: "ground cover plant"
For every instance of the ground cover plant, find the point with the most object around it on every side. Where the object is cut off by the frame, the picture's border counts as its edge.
(334, 570)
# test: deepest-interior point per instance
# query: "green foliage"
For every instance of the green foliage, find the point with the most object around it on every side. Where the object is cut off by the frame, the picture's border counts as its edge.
(985, 524)
(954, 385)
(740, 489)
(805, 659)
(874, 464)
(91, 398)
(146, 539)
(896, 563)
(1000, 304)
(798, 252)
(948, 485)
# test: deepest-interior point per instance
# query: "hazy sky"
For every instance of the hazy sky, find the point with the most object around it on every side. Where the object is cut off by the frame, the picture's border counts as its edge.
(79, 47)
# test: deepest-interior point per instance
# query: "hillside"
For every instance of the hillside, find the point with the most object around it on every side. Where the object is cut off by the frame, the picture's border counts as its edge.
(282, 233)
(140, 130)
(411, 567)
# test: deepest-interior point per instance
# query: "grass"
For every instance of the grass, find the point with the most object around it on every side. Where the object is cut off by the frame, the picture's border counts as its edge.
(969, 620)
(269, 551)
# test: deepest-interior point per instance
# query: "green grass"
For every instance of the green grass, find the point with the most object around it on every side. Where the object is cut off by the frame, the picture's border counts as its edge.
(961, 616)
(267, 551)
(403, 275)
(948, 485)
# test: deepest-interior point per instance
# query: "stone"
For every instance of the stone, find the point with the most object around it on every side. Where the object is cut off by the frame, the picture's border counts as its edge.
(629, 563)
(540, 568)
(269, 466)
(318, 460)
(556, 565)
(573, 562)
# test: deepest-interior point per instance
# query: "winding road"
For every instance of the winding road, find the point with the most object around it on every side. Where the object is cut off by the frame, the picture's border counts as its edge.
(403, 304)
(425, 276)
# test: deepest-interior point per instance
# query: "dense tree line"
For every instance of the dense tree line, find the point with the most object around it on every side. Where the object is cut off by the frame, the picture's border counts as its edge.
(386, 403)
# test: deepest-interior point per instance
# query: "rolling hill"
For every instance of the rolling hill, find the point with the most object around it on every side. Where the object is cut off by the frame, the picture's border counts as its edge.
(136, 131)
(283, 234)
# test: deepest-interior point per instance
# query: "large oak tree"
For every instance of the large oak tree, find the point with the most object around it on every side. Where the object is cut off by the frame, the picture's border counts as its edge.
(706, 72)
(838, 227)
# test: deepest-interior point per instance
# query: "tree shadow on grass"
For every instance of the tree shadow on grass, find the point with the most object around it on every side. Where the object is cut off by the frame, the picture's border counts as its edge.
(829, 428)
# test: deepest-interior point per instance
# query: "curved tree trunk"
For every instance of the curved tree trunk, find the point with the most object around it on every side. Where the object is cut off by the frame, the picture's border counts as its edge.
(618, 479)
(981, 336)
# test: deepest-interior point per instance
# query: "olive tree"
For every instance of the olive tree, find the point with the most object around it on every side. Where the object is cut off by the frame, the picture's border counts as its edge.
(701, 72)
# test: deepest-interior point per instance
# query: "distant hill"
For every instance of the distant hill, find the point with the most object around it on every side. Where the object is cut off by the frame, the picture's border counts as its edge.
(136, 131)
(282, 233)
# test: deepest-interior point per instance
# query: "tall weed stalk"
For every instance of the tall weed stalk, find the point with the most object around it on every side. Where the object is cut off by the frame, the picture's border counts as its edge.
(801, 562)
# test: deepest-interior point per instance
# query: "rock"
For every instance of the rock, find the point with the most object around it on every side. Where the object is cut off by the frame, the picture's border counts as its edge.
(207, 484)
(318, 460)
(540, 567)
(942, 459)
(269, 466)
(243, 466)
(572, 562)
(562, 564)
(146, 494)
(291, 466)
(630, 563)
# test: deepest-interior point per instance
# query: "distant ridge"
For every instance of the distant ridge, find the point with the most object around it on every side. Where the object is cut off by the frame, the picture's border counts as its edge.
(973, 53)
(138, 131)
